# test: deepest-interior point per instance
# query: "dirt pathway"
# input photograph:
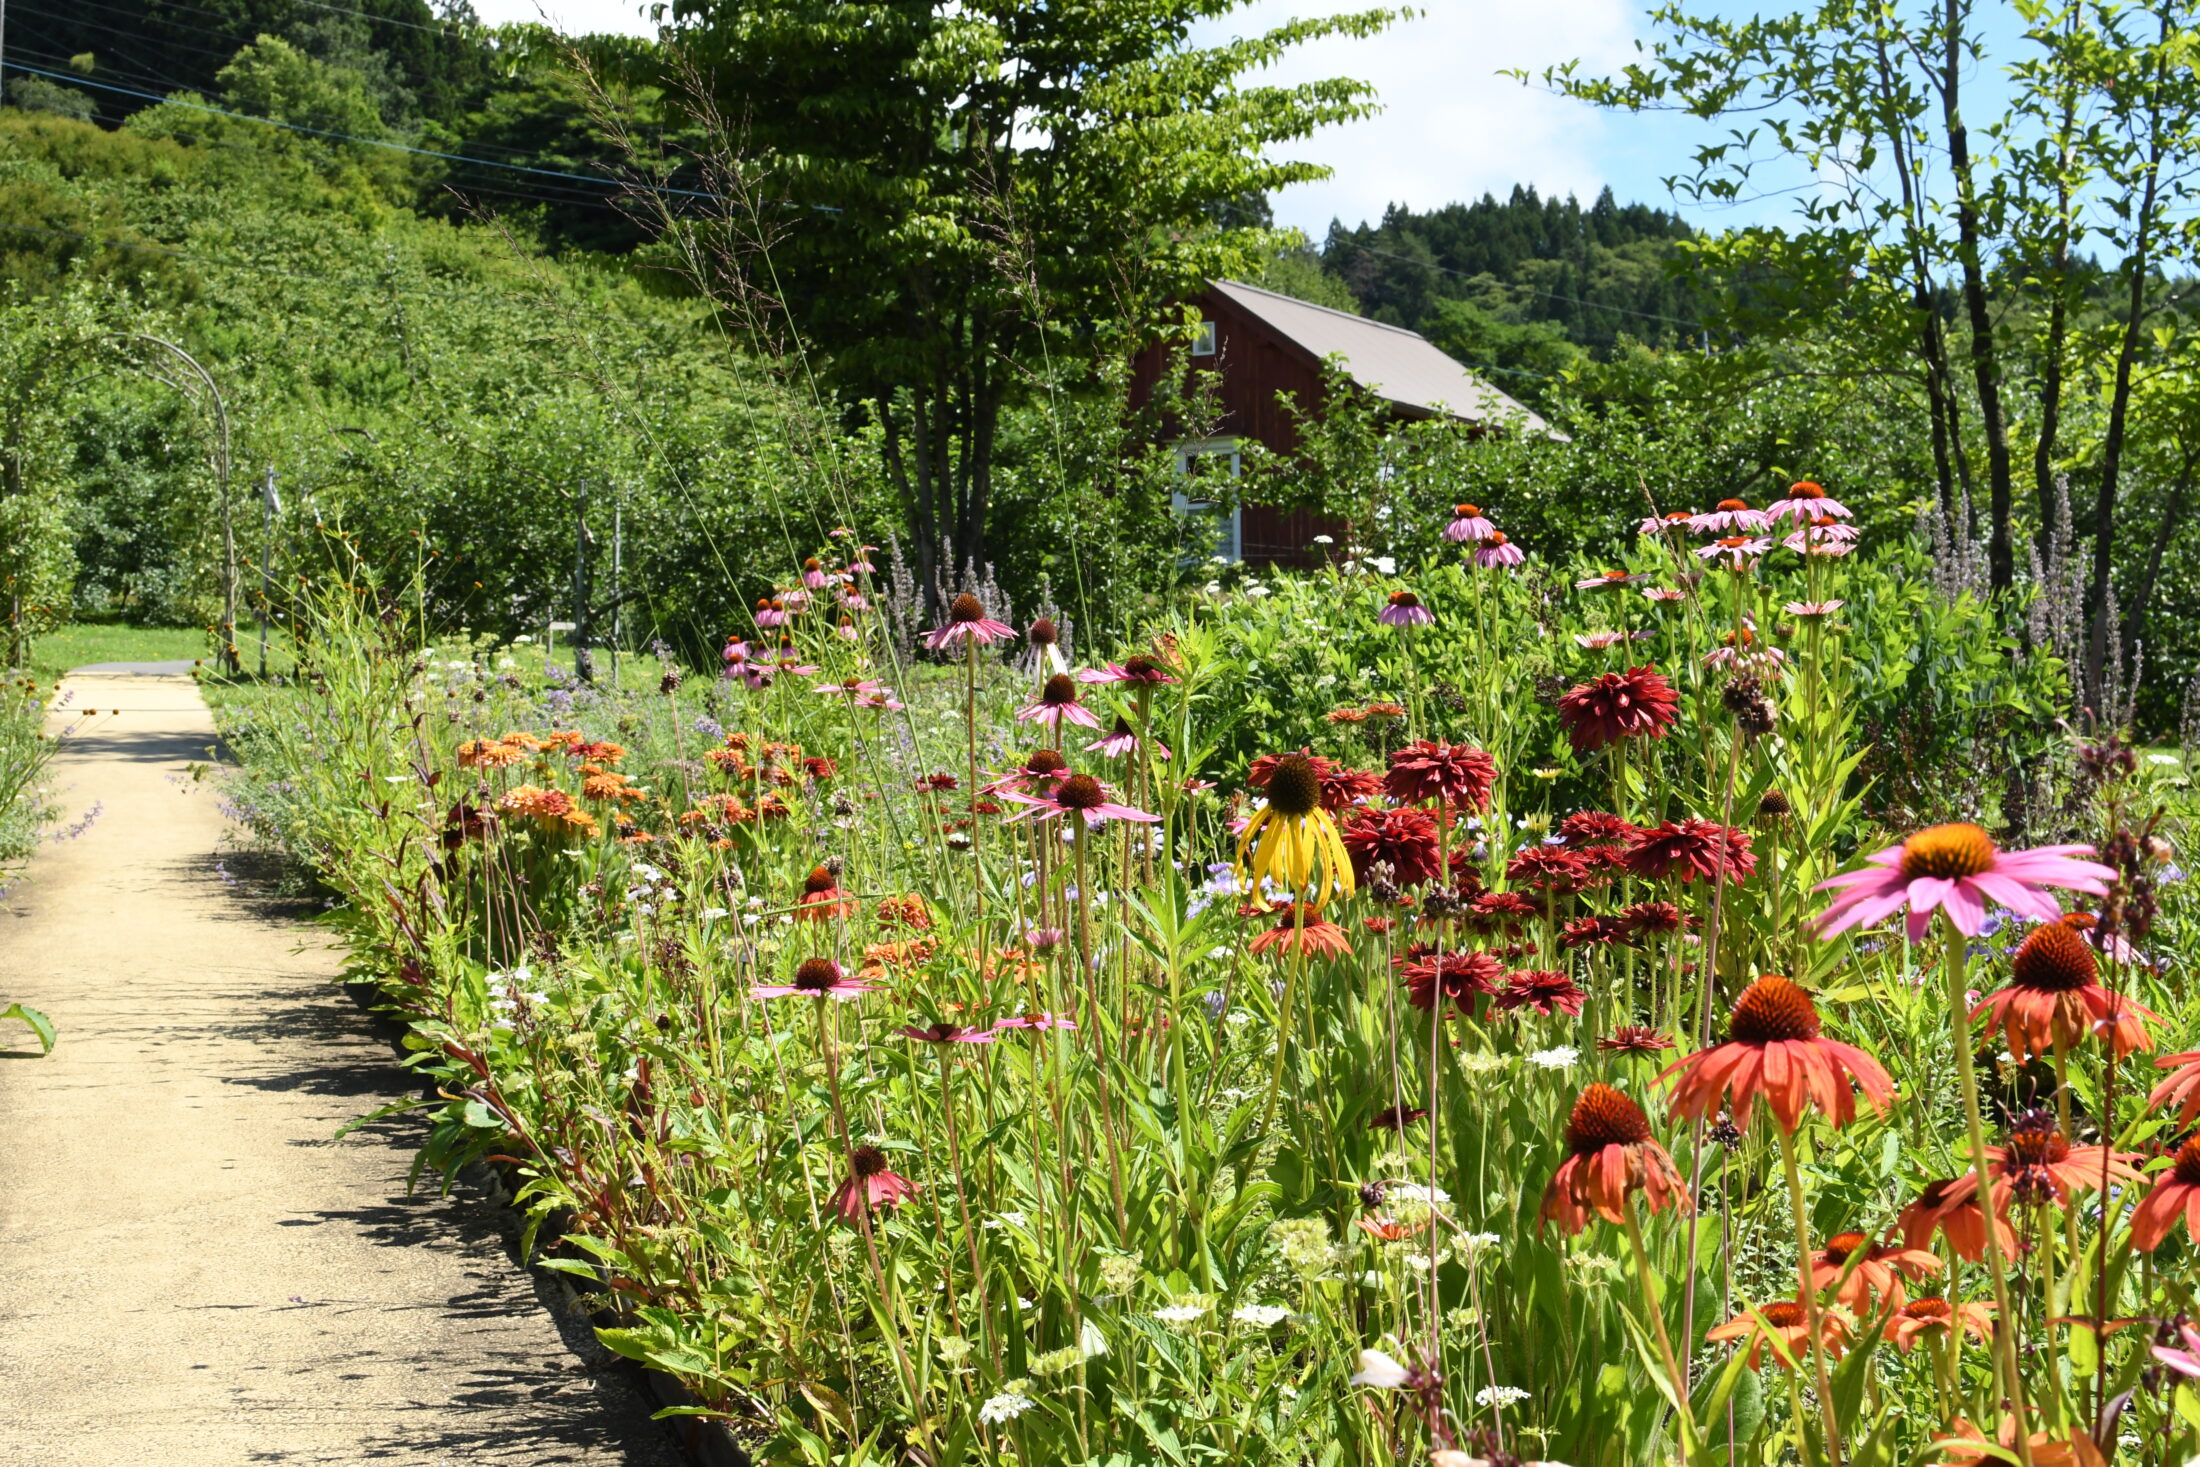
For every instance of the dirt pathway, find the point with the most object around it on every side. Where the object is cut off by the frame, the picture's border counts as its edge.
(191, 1270)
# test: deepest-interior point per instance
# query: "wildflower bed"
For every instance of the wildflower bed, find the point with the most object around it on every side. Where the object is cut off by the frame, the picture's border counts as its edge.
(1506, 1015)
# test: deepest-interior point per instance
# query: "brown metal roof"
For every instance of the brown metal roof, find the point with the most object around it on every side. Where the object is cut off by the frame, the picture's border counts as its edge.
(1397, 365)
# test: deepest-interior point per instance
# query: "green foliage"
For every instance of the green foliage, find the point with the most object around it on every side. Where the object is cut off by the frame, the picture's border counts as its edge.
(273, 79)
(36, 94)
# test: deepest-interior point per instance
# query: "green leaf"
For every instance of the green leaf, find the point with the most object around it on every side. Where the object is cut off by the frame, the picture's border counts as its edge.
(40, 1024)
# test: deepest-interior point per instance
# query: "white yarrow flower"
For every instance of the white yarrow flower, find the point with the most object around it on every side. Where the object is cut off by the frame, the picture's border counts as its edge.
(1555, 1059)
(1260, 1316)
(1500, 1396)
(1190, 1313)
(1005, 1407)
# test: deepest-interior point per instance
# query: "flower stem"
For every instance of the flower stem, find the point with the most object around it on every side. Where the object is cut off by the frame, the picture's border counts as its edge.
(1807, 1291)
(1657, 1321)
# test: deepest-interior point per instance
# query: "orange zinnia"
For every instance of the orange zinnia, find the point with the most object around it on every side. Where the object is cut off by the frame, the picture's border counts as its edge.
(1609, 1156)
(1774, 1049)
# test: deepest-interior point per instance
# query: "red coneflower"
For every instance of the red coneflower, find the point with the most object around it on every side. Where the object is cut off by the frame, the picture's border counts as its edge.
(1634, 1039)
(1921, 1317)
(1302, 928)
(1787, 1321)
(1960, 1219)
(1396, 1118)
(1876, 1272)
(967, 622)
(1692, 847)
(1462, 977)
(1652, 919)
(1596, 932)
(2039, 1165)
(1774, 1049)
(2052, 999)
(1403, 839)
(1637, 703)
(1595, 828)
(1609, 1156)
(2176, 1195)
(822, 897)
(1458, 775)
(1541, 989)
(870, 1186)
(1495, 913)
(2182, 1085)
(816, 978)
(1549, 868)
(1339, 787)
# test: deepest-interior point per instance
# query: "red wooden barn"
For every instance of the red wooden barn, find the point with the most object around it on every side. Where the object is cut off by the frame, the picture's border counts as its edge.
(1263, 344)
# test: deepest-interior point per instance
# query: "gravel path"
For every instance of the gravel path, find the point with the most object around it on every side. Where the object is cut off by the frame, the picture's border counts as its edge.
(191, 1270)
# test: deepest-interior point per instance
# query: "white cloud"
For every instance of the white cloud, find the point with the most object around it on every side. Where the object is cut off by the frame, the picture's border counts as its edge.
(573, 17)
(1451, 128)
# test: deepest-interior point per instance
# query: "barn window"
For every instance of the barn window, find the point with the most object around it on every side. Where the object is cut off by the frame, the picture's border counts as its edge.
(1203, 341)
(1213, 523)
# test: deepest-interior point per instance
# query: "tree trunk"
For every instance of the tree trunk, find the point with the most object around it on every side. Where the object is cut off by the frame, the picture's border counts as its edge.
(2058, 327)
(1932, 345)
(1985, 362)
(2172, 519)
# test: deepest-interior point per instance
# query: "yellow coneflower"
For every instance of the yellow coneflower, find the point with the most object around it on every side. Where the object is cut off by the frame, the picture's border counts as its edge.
(1293, 840)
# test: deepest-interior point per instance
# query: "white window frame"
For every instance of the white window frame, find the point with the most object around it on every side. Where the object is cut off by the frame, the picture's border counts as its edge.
(1230, 537)
(1206, 340)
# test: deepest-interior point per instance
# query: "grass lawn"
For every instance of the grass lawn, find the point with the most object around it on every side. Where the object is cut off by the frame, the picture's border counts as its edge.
(82, 643)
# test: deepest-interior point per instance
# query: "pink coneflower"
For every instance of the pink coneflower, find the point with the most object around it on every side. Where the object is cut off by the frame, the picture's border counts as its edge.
(870, 1186)
(1731, 516)
(1664, 594)
(1691, 847)
(1636, 703)
(967, 622)
(1735, 552)
(1598, 641)
(1774, 1051)
(1143, 671)
(2176, 1195)
(1039, 769)
(861, 565)
(1038, 1021)
(1122, 740)
(1302, 928)
(1805, 502)
(1404, 840)
(948, 1034)
(1458, 775)
(1610, 1155)
(1405, 610)
(739, 664)
(816, 978)
(2053, 1000)
(1812, 609)
(1663, 524)
(1498, 551)
(1611, 580)
(1057, 703)
(1467, 525)
(1079, 794)
(2182, 1085)
(1802, 542)
(847, 630)
(1654, 919)
(786, 660)
(771, 613)
(857, 690)
(1464, 977)
(1824, 529)
(1957, 869)
(1544, 990)
(813, 574)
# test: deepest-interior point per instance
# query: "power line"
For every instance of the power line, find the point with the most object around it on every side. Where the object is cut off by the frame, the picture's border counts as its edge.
(74, 80)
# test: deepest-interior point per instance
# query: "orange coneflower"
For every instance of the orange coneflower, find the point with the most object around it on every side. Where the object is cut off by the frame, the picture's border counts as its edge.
(2039, 1165)
(2176, 1195)
(1967, 1444)
(822, 898)
(1301, 928)
(869, 1186)
(1867, 1270)
(1788, 1322)
(1609, 1156)
(1774, 1049)
(2053, 1001)
(1923, 1316)
(1960, 1219)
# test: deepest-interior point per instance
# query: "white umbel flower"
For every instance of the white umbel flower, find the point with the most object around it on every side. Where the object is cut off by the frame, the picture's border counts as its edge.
(1005, 1407)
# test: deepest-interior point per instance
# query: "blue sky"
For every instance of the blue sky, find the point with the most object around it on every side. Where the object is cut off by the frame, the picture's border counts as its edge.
(1451, 127)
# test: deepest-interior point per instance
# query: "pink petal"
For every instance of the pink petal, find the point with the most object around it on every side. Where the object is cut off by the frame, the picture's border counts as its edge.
(1965, 906)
